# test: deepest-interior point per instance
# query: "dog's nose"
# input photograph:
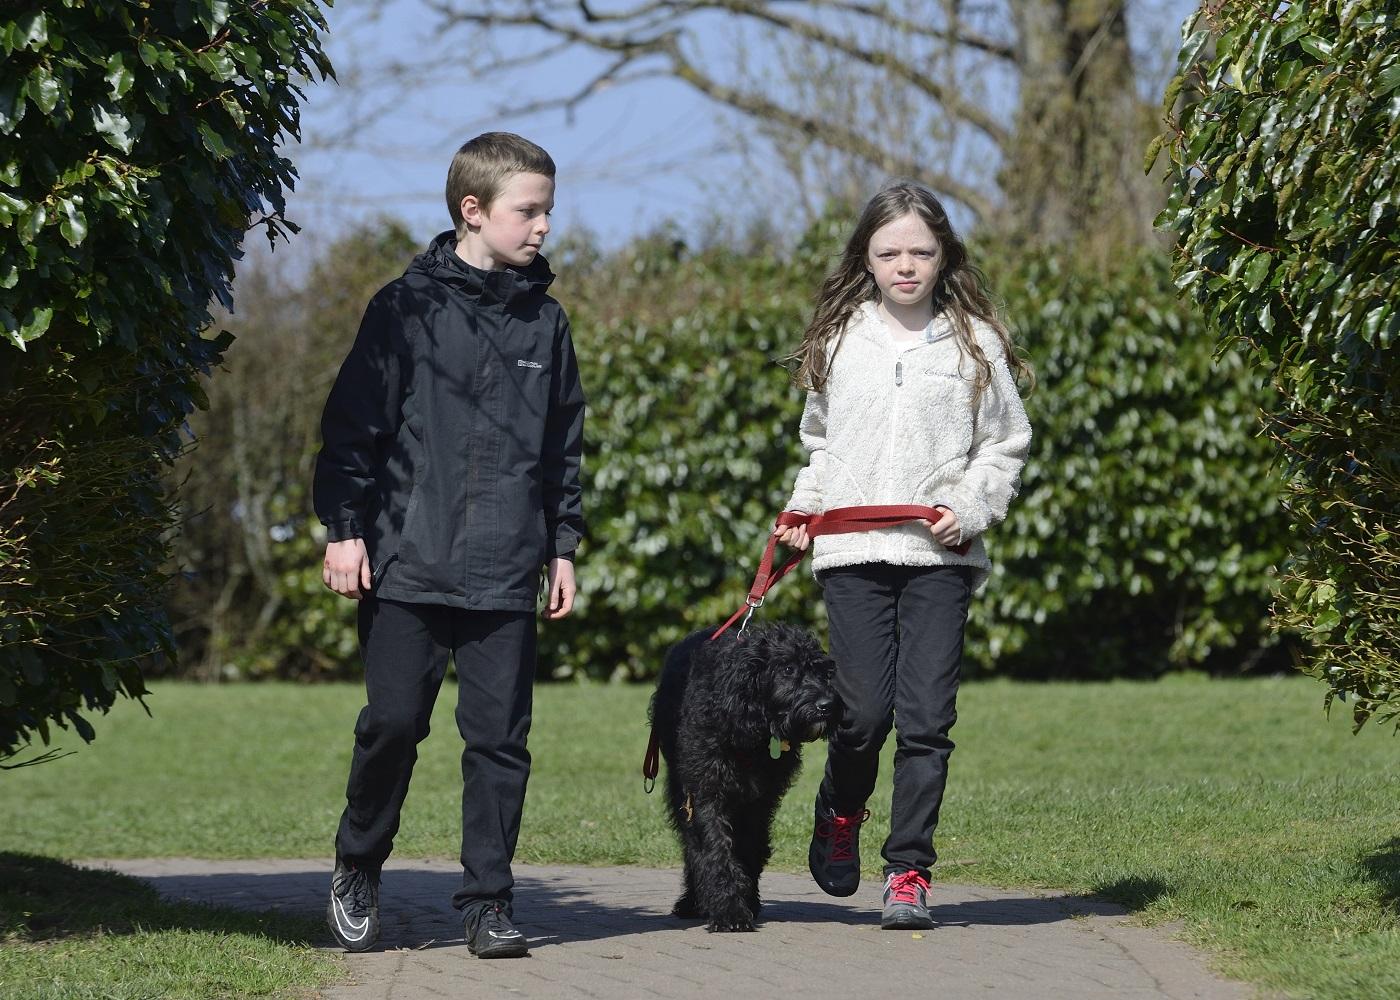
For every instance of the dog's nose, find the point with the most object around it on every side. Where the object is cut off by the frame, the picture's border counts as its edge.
(826, 706)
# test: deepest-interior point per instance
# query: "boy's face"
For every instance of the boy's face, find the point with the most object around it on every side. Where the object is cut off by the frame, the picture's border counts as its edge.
(512, 229)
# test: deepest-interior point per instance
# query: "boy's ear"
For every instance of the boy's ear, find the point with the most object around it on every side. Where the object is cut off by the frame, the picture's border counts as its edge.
(472, 211)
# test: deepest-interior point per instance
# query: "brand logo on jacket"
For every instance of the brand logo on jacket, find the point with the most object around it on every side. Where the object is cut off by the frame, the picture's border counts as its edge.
(522, 363)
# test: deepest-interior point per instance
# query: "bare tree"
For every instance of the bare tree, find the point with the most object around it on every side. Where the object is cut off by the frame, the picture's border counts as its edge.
(1026, 112)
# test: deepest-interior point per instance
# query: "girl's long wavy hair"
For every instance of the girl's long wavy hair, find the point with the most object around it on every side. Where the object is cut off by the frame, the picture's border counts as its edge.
(960, 291)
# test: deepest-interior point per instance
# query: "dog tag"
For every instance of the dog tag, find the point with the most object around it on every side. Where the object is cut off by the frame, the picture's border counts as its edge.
(775, 749)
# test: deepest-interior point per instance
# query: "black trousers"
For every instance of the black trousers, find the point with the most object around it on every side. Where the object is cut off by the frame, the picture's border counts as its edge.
(897, 639)
(405, 649)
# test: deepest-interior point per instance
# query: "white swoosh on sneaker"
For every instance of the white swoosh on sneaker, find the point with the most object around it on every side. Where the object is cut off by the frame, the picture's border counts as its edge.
(507, 934)
(346, 925)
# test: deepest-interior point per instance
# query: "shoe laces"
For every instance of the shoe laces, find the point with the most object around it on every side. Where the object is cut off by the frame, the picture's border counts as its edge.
(905, 887)
(841, 831)
(358, 884)
(496, 917)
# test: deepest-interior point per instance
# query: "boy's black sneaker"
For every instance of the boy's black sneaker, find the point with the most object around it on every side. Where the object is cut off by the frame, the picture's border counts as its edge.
(834, 854)
(490, 934)
(353, 912)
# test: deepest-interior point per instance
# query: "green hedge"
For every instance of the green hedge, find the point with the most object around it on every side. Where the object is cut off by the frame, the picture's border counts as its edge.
(1286, 206)
(138, 144)
(1148, 520)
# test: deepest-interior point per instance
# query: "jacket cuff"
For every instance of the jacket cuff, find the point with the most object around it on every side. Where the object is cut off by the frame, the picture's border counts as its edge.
(341, 531)
(562, 546)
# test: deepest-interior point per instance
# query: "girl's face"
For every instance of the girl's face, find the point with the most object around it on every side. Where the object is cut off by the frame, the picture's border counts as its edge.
(905, 259)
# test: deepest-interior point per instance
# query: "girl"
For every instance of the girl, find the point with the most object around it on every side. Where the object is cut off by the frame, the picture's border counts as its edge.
(912, 399)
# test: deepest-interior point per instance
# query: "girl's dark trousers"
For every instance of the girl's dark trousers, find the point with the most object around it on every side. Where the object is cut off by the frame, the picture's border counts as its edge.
(405, 648)
(897, 639)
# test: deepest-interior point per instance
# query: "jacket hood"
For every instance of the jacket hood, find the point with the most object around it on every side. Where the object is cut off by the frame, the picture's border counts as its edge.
(441, 263)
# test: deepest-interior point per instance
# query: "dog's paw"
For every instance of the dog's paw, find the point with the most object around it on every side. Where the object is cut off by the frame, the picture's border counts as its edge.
(730, 926)
(687, 909)
(731, 922)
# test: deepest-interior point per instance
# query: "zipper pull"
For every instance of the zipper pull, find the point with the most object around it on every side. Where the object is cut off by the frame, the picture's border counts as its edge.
(899, 373)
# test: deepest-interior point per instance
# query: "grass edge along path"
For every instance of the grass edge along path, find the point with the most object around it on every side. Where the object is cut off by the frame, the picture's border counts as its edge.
(1234, 807)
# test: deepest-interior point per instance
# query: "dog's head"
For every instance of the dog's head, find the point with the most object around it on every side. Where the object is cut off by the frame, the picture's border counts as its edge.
(795, 680)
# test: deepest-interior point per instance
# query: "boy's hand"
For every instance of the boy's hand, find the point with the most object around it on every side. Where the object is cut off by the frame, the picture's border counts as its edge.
(346, 569)
(561, 589)
(946, 531)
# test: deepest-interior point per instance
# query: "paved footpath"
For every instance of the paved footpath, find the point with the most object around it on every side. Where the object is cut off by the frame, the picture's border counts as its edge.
(608, 933)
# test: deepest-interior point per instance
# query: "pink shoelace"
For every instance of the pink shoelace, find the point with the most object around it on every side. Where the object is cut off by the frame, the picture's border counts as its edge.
(905, 886)
(841, 830)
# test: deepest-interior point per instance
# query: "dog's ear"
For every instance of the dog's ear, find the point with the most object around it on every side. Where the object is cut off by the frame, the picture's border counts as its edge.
(742, 688)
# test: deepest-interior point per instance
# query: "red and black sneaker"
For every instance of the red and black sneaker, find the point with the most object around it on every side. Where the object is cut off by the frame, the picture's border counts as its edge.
(834, 856)
(906, 902)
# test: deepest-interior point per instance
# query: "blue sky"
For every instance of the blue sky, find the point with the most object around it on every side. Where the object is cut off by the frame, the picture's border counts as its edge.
(628, 158)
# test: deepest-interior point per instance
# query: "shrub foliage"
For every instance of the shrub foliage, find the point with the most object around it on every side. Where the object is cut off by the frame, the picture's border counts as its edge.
(1285, 202)
(138, 144)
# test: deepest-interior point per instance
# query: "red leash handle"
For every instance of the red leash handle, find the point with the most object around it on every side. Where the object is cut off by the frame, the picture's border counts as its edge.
(837, 521)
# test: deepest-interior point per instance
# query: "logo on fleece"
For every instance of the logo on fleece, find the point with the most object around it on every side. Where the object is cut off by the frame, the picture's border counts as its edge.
(522, 363)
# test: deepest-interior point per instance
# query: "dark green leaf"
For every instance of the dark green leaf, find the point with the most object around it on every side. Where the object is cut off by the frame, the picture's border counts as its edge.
(74, 223)
(119, 74)
(31, 31)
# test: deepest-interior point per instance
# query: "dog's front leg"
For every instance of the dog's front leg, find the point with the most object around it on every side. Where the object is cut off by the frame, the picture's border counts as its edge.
(721, 881)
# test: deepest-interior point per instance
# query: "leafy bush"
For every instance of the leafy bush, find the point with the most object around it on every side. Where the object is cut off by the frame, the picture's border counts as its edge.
(1285, 200)
(137, 145)
(1148, 520)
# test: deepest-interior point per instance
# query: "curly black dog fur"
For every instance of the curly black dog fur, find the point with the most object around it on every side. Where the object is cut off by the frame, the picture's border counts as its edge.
(717, 709)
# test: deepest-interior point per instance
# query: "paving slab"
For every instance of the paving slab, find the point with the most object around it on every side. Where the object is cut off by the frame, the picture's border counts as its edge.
(608, 933)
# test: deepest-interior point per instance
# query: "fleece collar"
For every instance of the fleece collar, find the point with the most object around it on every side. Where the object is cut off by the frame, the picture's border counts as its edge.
(867, 324)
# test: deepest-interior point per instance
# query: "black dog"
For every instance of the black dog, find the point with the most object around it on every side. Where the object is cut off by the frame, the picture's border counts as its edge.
(729, 716)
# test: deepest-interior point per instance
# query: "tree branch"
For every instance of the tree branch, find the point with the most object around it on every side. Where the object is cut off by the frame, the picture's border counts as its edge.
(831, 135)
(761, 10)
(665, 45)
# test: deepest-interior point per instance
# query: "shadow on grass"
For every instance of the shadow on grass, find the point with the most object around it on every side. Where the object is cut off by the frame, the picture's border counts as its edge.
(1382, 866)
(42, 899)
(1134, 892)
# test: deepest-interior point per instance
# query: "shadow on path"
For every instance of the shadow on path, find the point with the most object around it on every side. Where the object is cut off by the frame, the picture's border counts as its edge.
(415, 911)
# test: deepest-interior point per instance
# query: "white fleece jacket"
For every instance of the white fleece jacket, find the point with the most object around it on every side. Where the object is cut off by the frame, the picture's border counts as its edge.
(896, 425)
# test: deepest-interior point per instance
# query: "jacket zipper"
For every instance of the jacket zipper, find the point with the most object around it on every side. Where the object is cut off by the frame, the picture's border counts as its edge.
(894, 425)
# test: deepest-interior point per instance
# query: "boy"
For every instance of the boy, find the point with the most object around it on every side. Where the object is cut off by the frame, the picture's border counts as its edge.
(448, 476)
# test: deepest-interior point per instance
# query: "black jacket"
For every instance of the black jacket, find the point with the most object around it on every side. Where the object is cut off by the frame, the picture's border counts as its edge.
(452, 437)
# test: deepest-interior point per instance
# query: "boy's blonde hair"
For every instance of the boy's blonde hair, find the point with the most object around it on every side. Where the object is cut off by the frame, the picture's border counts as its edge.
(482, 165)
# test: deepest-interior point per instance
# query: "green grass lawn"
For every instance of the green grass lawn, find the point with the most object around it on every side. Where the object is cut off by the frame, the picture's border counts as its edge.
(79, 934)
(1270, 832)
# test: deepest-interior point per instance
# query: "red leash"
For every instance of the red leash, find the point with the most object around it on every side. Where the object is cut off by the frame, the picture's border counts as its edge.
(838, 521)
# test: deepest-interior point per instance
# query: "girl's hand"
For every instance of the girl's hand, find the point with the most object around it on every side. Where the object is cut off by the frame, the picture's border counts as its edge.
(560, 576)
(796, 536)
(946, 531)
(346, 569)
